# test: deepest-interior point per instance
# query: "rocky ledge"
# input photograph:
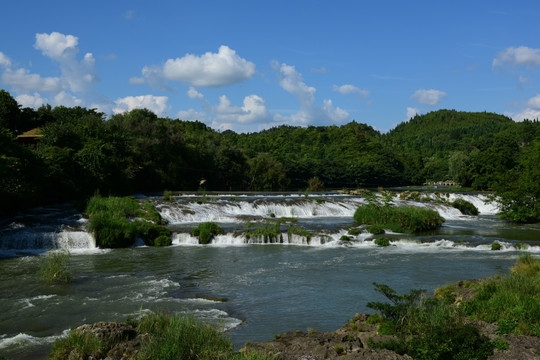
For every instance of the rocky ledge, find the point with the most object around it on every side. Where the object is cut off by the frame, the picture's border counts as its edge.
(352, 342)
(122, 342)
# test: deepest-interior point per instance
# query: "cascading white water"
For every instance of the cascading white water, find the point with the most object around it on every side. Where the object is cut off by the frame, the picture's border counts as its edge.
(36, 239)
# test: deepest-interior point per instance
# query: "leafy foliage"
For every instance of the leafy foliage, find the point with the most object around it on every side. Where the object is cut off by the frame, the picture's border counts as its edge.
(54, 268)
(398, 219)
(206, 231)
(465, 207)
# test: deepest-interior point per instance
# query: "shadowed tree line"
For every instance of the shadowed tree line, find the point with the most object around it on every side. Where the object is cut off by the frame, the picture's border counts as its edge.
(82, 151)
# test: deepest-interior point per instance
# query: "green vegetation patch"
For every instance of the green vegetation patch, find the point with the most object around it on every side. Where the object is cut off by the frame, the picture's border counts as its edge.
(54, 268)
(111, 220)
(206, 231)
(511, 301)
(398, 219)
(465, 207)
(382, 241)
(375, 229)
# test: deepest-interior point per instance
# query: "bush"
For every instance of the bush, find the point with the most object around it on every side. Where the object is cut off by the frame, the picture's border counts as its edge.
(150, 232)
(301, 232)
(465, 207)
(315, 184)
(375, 229)
(163, 240)
(511, 301)
(354, 231)
(398, 219)
(167, 195)
(54, 268)
(382, 241)
(111, 225)
(206, 231)
(496, 246)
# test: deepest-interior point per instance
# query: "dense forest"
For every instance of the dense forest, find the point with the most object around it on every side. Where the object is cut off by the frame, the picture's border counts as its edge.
(81, 152)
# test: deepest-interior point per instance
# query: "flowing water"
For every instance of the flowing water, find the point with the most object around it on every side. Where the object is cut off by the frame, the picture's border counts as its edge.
(271, 285)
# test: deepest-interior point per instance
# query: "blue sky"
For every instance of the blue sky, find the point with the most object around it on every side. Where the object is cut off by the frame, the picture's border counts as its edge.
(252, 65)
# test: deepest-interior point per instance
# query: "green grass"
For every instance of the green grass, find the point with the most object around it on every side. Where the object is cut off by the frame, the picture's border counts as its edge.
(111, 222)
(301, 232)
(354, 231)
(168, 337)
(465, 207)
(54, 268)
(511, 301)
(375, 229)
(206, 231)
(382, 241)
(398, 219)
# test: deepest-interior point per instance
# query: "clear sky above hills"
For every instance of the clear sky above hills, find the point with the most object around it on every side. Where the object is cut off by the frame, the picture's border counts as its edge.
(250, 65)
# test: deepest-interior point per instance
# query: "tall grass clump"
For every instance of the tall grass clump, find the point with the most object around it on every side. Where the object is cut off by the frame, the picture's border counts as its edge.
(54, 268)
(85, 346)
(427, 328)
(465, 207)
(206, 231)
(510, 301)
(398, 219)
(112, 222)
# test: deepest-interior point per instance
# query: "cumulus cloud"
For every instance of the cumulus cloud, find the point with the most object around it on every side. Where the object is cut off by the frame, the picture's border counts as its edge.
(530, 114)
(351, 89)
(194, 94)
(4, 60)
(56, 45)
(521, 56)
(208, 70)
(412, 112)
(136, 80)
(293, 82)
(193, 115)
(32, 101)
(428, 97)
(534, 102)
(67, 99)
(22, 80)
(253, 110)
(156, 104)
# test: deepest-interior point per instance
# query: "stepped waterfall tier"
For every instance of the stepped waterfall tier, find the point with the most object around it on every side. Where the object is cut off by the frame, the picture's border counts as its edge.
(279, 262)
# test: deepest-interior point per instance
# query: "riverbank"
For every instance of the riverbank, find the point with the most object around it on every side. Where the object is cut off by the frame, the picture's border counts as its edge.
(450, 324)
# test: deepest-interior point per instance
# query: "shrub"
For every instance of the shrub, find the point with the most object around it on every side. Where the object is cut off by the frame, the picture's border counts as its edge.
(167, 195)
(149, 232)
(398, 219)
(206, 231)
(511, 301)
(354, 231)
(521, 246)
(110, 221)
(382, 241)
(375, 229)
(54, 268)
(345, 238)
(496, 246)
(163, 240)
(465, 207)
(315, 184)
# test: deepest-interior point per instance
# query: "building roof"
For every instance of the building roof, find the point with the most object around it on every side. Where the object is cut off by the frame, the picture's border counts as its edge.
(34, 133)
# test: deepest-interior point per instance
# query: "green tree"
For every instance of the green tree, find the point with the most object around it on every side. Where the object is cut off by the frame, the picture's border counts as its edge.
(266, 174)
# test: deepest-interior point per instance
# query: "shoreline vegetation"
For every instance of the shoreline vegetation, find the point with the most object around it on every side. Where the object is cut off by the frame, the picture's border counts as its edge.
(491, 318)
(80, 151)
(117, 222)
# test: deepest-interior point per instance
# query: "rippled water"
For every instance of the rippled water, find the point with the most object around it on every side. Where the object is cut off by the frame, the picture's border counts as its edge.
(269, 288)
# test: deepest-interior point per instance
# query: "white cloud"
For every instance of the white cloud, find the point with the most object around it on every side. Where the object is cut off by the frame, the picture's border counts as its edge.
(351, 89)
(193, 115)
(530, 114)
(522, 56)
(136, 80)
(412, 112)
(534, 102)
(4, 60)
(321, 70)
(22, 80)
(194, 94)
(66, 99)
(253, 110)
(32, 101)
(293, 82)
(428, 97)
(208, 70)
(56, 45)
(156, 104)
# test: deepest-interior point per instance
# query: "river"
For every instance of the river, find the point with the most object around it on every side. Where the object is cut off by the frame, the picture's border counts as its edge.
(295, 283)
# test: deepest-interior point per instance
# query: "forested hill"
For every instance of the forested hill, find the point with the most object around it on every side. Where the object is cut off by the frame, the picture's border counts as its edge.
(82, 151)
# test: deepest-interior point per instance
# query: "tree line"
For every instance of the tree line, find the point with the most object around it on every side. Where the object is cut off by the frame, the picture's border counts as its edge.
(83, 152)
